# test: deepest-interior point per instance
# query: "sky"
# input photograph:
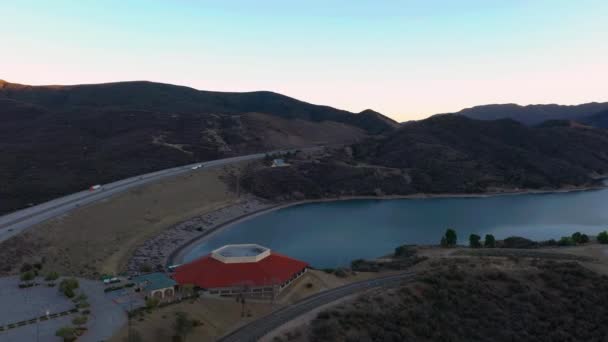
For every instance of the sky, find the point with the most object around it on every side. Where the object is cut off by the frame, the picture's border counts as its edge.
(405, 59)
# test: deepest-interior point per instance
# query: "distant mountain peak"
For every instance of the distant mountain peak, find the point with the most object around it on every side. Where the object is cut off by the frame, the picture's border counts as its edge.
(533, 114)
(369, 111)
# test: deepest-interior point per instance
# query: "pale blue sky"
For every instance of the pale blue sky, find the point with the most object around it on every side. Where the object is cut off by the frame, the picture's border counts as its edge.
(407, 59)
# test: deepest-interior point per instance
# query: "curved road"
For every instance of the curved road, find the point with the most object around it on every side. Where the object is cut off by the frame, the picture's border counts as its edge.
(257, 329)
(18, 221)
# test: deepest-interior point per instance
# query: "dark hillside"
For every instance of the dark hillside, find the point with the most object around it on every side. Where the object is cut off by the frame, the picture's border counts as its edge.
(55, 140)
(533, 114)
(597, 120)
(453, 153)
(158, 97)
(467, 301)
(447, 154)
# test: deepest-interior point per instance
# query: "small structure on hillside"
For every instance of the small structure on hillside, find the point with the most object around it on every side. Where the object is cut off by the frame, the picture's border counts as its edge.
(235, 270)
(279, 163)
(155, 285)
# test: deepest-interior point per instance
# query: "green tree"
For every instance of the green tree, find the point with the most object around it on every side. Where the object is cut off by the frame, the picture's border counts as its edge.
(566, 241)
(449, 239)
(490, 241)
(183, 325)
(27, 276)
(67, 286)
(576, 237)
(67, 333)
(602, 237)
(474, 241)
(69, 292)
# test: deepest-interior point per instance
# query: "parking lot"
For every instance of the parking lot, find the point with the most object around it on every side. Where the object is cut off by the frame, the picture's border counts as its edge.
(36, 313)
(21, 306)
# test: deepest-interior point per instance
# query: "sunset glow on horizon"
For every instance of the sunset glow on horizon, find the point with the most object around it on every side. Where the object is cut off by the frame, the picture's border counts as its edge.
(405, 59)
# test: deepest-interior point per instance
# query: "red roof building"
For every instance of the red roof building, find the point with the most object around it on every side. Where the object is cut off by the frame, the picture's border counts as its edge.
(233, 268)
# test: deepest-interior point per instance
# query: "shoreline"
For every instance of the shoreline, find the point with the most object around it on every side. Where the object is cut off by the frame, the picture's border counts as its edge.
(177, 255)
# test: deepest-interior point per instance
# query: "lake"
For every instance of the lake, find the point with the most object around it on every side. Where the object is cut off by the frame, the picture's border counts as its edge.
(330, 234)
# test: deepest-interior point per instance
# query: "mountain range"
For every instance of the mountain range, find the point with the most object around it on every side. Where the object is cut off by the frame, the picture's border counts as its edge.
(536, 114)
(56, 140)
(447, 154)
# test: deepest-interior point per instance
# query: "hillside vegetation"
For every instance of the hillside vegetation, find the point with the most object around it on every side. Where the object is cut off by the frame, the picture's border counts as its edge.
(597, 120)
(56, 140)
(446, 154)
(466, 301)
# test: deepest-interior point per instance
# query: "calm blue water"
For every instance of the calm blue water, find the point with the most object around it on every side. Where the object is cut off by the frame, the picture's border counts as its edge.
(334, 233)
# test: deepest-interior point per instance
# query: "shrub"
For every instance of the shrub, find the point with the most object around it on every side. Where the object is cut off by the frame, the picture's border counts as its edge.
(405, 251)
(356, 264)
(83, 305)
(68, 292)
(602, 237)
(489, 241)
(67, 333)
(341, 273)
(518, 242)
(51, 276)
(474, 241)
(67, 286)
(566, 241)
(27, 276)
(80, 320)
(550, 242)
(449, 239)
(580, 238)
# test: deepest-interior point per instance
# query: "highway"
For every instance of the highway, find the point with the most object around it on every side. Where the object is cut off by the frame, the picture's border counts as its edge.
(18, 221)
(257, 329)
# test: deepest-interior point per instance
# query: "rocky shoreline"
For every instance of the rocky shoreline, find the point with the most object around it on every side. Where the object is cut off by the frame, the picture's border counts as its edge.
(154, 254)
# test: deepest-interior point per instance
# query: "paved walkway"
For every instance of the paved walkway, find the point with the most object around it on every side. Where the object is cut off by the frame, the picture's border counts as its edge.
(106, 316)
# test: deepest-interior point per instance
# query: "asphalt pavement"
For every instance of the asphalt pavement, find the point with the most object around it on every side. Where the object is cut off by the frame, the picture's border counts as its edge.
(18, 221)
(257, 329)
